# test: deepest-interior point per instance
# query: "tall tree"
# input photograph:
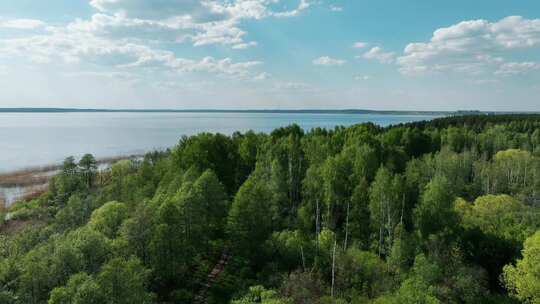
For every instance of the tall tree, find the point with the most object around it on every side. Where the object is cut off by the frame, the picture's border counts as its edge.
(88, 167)
(204, 209)
(387, 207)
(435, 214)
(124, 281)
(253, 214)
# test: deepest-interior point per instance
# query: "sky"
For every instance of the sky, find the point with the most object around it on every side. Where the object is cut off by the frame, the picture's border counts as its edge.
(271, 54)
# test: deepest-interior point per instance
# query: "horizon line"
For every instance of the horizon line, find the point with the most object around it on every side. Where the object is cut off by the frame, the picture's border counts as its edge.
(267, 110)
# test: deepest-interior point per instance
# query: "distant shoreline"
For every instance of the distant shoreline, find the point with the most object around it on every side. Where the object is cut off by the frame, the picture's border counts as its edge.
(262, 111)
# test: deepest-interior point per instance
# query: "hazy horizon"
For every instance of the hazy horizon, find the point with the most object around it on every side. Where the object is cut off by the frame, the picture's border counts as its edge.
(231, 109)
(55, 136)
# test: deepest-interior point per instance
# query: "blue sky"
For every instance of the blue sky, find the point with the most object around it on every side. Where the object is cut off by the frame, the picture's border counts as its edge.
(406, 55)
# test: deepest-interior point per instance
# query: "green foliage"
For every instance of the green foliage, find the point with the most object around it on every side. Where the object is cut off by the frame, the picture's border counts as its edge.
(500, 215)
(495, 228)
(356, 215)
(136, 233)
(387, 208)
(119, 281)
(108, 218)
(88, 168)
(80, 289)
(167, 245)
(431, 282)
(362, 273)
(74, 214)
(523, 279)
(302, 287)
(435, 214)
(253, 214)
(204, 209)
(208, 151)
(124, 281)
(258, 294)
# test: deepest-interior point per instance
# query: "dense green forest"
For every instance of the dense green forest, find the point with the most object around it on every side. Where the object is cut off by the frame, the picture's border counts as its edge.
(446, 211)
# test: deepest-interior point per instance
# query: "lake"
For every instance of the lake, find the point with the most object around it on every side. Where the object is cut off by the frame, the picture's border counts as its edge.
(38, 139)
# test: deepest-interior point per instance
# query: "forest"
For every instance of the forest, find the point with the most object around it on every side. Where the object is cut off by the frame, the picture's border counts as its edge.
(442, 211)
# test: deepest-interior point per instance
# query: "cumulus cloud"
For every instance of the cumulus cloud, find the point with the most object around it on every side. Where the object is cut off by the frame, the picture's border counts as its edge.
(120, 27)
(303, 5)
(175, 29)
(377, 53)
(515, 68)
(360, 45)
(200, 11)
(243, 46)
(335, 8)
(475, 46)
(262, 76)
(161, 9)
(201, 22)
(133, 34)
(22, 24)
(72, 46)
(327, 61)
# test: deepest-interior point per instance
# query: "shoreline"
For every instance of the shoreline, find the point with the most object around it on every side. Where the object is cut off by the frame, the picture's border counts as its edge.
(259, 111)
(35, 175)
(31, 182)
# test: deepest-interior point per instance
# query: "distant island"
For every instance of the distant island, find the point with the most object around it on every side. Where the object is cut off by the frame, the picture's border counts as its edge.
(278, 111)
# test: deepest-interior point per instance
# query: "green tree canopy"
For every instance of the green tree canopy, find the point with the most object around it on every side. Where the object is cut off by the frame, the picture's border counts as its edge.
(523, 278)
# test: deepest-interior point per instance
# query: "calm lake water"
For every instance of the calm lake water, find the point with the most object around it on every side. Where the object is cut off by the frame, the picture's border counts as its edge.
(37, 139)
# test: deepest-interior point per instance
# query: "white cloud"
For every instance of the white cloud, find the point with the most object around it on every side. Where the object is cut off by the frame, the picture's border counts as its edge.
(515, 68)
(303, 5)
(482, 81)
(335, 8)
(163, 9)
(223, 66)
(262, 76)
(360, 45)
(241, 9)
(201, 22)
(197, 10)
(120, 27)
(22, 24)
(184, 86)
(128, 36)
(243, 46)
(81, 47)
(294, 86)
(362, 77)
(223, 32)
(377, 53)
(475, 46)
(175, 29)
(327, 61)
